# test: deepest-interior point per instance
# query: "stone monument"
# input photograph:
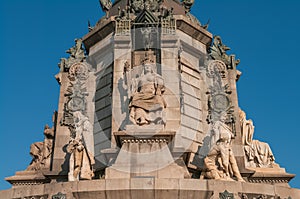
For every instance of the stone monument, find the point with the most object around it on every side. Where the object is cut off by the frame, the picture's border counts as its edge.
(148, 108)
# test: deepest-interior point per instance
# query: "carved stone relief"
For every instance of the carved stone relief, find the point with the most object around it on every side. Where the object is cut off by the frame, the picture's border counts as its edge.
(219, 93)
(139, 5)
(59, 196)
(76, 94)
(147, 21)
(77, 55)
(35, 197)
(226, 195)
(258, 196)
(218, 52)
(74, 116)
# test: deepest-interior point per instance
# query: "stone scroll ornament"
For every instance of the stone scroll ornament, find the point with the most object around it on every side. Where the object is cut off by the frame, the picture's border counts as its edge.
(146, 96)
(259, 154)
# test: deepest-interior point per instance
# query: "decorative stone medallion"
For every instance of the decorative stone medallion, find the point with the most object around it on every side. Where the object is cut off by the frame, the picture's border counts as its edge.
(79, 71)
(76, 104)
(216, 66)
(220, 102)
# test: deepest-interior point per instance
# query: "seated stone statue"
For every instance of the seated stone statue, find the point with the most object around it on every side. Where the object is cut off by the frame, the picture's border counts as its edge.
(258, 153)
(147, 104)
(220, 163)
(41, 152)
(82, 157)
(36, 151)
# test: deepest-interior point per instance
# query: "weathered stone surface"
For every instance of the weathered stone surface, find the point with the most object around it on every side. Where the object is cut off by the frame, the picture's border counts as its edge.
(150, 92)
(149, 187)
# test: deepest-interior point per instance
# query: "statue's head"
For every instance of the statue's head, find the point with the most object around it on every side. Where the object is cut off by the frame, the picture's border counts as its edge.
(149, 65)
(46, 127)
(148, 68)
(242, 114)
(223, 117)
(35, 149)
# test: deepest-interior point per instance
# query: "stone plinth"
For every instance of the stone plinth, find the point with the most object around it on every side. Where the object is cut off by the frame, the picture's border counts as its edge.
(270, 176)
(27, 178)
(150, 188)
(145, 151)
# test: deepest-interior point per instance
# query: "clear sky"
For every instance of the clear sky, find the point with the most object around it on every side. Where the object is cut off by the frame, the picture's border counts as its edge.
(35, 34)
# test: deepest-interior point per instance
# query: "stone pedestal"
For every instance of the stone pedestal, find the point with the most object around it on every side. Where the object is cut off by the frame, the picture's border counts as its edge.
(22, 178)
(145, 151)
(270, 176)
(151, 188)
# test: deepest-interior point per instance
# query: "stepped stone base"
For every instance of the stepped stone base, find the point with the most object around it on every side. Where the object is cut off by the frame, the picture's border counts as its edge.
(151, 188)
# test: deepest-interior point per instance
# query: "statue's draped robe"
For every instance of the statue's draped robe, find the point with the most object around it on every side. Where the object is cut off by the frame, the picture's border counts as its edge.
(148, 98)
(258, 152)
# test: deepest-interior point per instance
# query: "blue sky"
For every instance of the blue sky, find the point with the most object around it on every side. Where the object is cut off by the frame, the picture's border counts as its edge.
(263, 34)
